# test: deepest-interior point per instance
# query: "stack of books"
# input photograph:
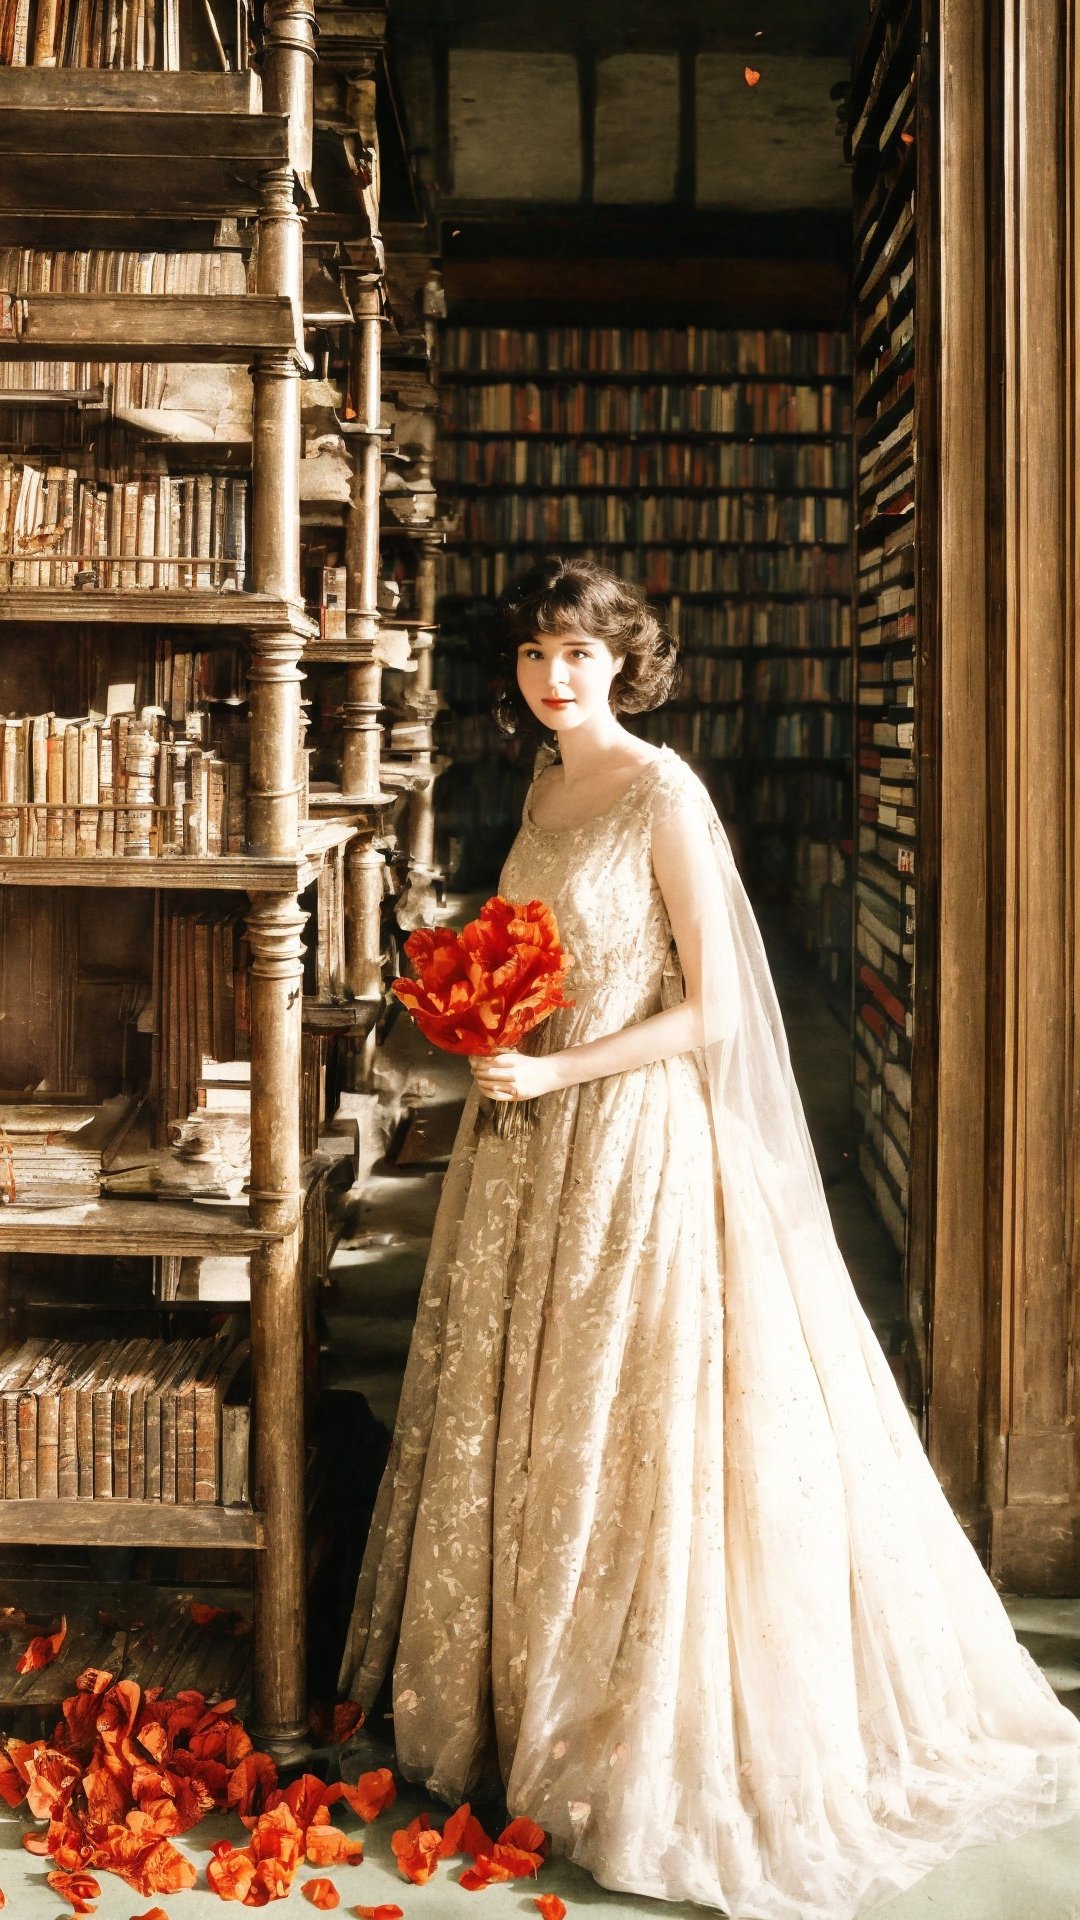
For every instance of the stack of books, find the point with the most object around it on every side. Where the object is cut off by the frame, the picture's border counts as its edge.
(55, 1149)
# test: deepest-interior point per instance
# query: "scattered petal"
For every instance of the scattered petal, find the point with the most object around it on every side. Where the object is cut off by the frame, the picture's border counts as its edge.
(551, 1907)
(372, 1794)
(322, 1894)
(416, 1849)
(518, 1861)
(81, 1889)
(524, 1832)
(462, 1833)
(227, 1621)
(379, 1913)
(43, 1649)
(484, 1872)
(751, 76)
(326, 1846)
(152, 1913)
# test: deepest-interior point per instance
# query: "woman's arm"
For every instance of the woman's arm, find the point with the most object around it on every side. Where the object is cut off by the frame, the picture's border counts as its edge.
(685, 872)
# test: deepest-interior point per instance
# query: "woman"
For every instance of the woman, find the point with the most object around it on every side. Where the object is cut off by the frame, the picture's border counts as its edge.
(656, 1531)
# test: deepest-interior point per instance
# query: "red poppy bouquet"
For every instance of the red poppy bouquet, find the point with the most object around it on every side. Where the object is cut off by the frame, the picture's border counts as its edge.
(481, 990)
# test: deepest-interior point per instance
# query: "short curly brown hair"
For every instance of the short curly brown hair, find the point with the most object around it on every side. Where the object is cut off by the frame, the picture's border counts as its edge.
(564, 596)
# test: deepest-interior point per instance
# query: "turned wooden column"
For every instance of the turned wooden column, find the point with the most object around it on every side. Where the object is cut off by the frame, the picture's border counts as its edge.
(275, 925)
(362, 747)
(418, 822)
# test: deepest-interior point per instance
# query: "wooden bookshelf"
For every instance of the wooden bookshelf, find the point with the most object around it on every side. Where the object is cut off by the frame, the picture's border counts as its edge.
(892, 396)
(713, 465)
(130, 159)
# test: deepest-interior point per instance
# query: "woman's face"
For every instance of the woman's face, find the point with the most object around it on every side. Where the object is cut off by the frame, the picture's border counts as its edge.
(565, 678)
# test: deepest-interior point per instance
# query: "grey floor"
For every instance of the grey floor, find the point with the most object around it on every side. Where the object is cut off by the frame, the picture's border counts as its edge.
(378, 1270)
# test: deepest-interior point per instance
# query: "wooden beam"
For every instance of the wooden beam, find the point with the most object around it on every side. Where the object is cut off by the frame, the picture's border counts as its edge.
(1032, 1421)
(138, 326)
(951, 1039)
(741, 291)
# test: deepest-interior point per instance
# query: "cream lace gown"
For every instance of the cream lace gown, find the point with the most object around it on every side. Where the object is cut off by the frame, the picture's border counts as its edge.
(623, 1537)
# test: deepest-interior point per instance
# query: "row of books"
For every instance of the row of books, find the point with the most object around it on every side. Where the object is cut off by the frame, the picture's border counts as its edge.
(134, 1419)
(816, 570)
(614, 463)
(810, 625)
(526, 407)
(885, 853)
(721, 517)
(126, 784)
(643, 350)
(124, 34)
(220, 270)
(823, 733)
(714, 676)
(162, 530)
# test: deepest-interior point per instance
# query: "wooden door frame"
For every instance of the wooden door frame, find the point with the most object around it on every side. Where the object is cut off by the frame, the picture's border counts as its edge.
(995, 1098)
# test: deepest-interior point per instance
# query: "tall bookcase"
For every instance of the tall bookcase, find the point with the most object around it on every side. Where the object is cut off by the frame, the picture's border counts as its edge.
(890, 150)
(170, 161)
(713, 465)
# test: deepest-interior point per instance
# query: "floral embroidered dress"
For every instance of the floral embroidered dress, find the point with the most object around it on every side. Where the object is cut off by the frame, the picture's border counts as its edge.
(620, 1539)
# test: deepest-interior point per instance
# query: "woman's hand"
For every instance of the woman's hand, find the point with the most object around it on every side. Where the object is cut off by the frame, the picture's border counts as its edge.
(515, 1076)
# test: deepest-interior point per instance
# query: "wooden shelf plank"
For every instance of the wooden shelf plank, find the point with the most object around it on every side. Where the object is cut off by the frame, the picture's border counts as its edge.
(153, 606)
(137, 326)
(129, 161)
(118, 1224)
(145, 90)
(142, 1630)
(244, 872)
(128, 1523)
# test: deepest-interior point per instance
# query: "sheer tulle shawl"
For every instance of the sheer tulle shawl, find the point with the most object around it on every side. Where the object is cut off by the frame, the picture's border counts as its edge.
(890, 1713)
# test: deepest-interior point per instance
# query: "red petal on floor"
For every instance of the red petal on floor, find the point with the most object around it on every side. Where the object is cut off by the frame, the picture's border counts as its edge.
(36, 1843)
(463, 1833)
(304, 1797)
(524, 1832)
(253, 1782)
(484, 1873)
(551, 1907)
(416, 1849)
(152, 1913)
(372, 1794)
(379, 1913)
(230, 1875)
(518, 1861)
(326, 1846)
(81, 1889)
(42, 1649)
(94, 1680)
(322, 1894)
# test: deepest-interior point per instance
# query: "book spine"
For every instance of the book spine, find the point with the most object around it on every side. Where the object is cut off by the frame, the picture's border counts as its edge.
(101, 1396)
(26, 1444)
(48, 1443)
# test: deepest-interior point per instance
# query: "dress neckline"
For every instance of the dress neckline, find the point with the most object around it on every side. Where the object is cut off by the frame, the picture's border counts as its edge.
(603, 815)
